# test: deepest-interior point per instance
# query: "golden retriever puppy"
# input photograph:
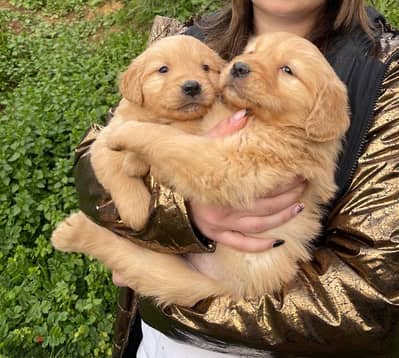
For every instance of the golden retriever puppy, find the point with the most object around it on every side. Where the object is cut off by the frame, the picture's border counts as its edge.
(174, 82)
(298, 116)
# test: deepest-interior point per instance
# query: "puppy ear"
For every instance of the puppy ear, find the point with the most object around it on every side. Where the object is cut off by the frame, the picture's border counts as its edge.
(130, 84)
(329, 118)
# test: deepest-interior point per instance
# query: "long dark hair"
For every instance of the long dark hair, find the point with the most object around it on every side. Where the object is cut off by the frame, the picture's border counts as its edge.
(229, 30)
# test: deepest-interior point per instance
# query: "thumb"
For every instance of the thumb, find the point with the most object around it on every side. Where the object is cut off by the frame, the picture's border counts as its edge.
(118, 280)
(230, 125)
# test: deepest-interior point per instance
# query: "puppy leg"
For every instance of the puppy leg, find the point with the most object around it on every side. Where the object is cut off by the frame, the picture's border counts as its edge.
(132, 200)
(120, 174)
(167, 278)
(66, 236)
(207, 168)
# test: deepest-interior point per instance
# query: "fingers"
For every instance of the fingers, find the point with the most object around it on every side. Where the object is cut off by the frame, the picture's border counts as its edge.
(118, 280)
(236, 227)
(229, 126)
(256, 225)
(274, 204)
(267, 214)
(243, 243)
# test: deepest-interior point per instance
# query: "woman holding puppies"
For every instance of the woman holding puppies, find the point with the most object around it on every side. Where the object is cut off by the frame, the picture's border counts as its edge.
(345, 301)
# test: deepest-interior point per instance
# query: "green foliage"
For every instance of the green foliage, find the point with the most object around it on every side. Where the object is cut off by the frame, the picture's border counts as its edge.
(145, 10)
(58, 75)
(55, 7)
(390, 8)
(55, 82)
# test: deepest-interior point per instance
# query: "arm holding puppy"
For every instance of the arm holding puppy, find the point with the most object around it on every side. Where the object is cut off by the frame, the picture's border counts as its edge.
(348, 291)
(345, 301)
(233, 227)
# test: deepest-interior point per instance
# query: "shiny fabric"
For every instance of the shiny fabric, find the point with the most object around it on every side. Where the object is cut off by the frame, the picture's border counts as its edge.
(168, 229)
(167, 210)
(352, 282)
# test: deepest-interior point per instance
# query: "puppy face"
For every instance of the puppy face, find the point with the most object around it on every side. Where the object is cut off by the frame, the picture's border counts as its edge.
(288, 78)
(177, 78)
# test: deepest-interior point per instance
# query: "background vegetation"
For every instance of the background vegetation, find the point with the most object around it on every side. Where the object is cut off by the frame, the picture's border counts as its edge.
(59, 62)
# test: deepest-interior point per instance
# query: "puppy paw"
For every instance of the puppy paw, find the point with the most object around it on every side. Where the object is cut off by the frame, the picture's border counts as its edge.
(68, 234)
(134, 167)
(132, 217)
(114, 140)
(132, 136)
(132, 199)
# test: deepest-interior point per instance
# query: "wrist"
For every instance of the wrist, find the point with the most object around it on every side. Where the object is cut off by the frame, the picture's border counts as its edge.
(209, 243)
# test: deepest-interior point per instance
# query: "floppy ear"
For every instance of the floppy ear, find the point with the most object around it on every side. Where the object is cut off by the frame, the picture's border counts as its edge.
(131, 82)
(329, 118)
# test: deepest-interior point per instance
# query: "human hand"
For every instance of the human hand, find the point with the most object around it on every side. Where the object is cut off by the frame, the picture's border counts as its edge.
(223, 128)
(118, 280)
(237, 228)
(230, 125)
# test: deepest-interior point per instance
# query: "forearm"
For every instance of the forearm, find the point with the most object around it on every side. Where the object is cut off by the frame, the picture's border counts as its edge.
(345, 300)
(338, 297)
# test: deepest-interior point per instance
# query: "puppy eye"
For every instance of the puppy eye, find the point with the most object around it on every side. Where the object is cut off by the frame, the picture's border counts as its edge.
(205, 67)
(287, 70)
(163, 69)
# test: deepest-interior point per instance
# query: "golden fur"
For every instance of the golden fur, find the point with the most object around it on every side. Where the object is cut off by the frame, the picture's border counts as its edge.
(296, 124)
(151, 96)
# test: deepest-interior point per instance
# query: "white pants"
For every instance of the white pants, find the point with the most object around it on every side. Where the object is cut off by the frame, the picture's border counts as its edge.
(157, 345)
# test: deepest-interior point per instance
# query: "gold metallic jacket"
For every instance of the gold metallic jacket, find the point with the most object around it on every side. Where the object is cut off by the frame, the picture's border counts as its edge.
(345, 303)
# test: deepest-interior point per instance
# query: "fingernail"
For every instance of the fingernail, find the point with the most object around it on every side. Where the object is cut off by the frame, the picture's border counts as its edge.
(238, 116)
(299, 208)
(278, 243)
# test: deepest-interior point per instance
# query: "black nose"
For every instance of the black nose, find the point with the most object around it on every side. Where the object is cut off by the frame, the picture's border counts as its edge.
(240, 70)
(191, 88)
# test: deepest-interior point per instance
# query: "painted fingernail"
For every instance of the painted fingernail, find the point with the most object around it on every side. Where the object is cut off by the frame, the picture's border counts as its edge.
(238, 116)
(278, 243)
(299, 208)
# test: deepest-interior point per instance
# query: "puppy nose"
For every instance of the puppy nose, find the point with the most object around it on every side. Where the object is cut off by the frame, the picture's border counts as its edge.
(240, 70)
(191, 88)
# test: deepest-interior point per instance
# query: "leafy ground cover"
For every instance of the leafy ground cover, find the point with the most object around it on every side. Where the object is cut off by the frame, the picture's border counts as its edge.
(390, 8)
(59, 62)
